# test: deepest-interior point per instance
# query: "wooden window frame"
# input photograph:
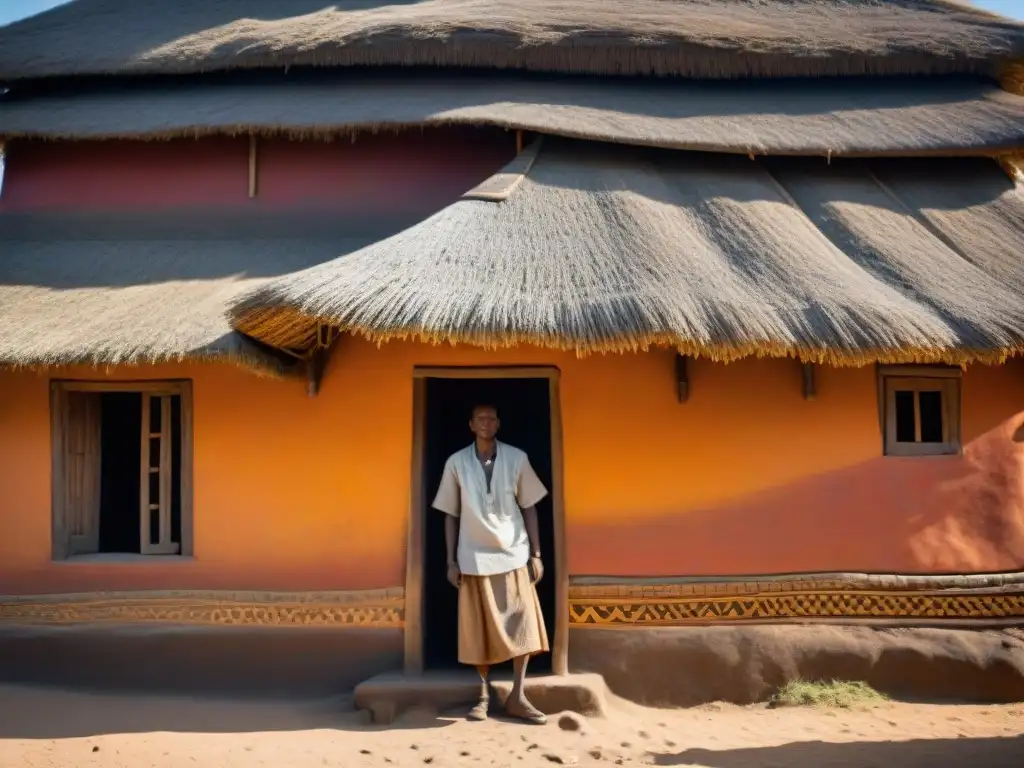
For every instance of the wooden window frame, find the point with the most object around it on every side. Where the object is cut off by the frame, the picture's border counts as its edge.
(63, 546)
(921, 378)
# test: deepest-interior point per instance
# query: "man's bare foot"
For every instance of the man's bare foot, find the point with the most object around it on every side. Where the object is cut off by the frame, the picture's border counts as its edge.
(523, 710)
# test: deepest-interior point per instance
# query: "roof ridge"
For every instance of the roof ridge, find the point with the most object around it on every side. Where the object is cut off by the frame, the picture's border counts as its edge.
(501, 185)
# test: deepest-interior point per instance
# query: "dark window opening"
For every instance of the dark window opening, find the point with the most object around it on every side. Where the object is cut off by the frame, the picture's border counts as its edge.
(120, 428)
(918, 416)
(906, 429)
(930, 408)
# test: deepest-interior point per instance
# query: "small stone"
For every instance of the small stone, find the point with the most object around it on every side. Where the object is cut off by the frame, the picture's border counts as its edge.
(364, 752)
(95, 749)
(428, 760)
(414, 746)
(643, 734)
(570, 721)
(463, 753)
(625, 745)
(669, 743)
(553, 757)
(596, 753)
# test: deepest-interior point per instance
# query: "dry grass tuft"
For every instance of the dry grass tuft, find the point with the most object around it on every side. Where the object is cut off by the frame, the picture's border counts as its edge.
(833, 695)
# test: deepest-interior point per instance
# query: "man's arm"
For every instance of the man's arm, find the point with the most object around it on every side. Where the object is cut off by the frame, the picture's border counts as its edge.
(533, 533)
(451, 540)
(529, 491)
(447, 501)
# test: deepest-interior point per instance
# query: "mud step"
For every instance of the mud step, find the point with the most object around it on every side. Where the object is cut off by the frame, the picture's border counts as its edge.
(388, 695)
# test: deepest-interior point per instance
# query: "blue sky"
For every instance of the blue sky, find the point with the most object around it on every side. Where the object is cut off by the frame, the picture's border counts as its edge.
(11, 10)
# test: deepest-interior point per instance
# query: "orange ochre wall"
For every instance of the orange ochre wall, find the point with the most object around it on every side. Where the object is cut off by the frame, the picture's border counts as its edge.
(292, 492)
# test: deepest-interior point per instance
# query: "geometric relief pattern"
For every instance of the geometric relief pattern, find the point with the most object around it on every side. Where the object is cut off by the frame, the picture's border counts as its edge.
(370, 608)
(648, 611)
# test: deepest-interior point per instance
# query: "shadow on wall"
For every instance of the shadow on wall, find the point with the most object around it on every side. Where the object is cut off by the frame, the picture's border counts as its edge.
(918, 753)
(939, 514)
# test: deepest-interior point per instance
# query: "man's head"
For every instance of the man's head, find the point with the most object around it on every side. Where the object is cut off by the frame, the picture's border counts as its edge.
(483, 421)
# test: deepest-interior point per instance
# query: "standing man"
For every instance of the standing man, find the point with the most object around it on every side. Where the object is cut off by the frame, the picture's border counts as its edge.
(489, 492)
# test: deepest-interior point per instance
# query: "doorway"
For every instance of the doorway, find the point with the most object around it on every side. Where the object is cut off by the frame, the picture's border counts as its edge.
(527, 404)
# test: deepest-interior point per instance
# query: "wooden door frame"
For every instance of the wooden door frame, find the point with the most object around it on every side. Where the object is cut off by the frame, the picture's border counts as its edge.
(417, 508)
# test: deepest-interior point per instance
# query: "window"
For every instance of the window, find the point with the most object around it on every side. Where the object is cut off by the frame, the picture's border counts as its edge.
(122, 468)
(920, 410)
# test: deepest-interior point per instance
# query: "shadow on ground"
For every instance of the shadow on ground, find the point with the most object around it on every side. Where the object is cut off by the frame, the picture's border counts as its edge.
(917, 753)
(37, 713)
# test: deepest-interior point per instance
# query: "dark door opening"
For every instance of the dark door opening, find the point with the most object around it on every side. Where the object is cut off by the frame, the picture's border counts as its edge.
(524, 408)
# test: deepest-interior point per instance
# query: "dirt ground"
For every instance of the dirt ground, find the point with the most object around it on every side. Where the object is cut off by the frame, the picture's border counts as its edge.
(45, 727)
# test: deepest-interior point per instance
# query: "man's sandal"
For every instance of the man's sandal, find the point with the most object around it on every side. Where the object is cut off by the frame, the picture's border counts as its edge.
(479, 712)
(528, 713)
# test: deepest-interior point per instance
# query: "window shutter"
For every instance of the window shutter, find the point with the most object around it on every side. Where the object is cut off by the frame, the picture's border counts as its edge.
(82, 472)
(155, 480)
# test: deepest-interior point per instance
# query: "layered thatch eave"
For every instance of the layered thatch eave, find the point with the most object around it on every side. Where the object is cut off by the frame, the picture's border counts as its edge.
(690, 38)
(601, 249)
(120, 289)
(846, 116)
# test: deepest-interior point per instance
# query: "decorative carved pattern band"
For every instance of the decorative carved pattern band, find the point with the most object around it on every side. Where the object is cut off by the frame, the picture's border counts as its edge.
(825, 596)
(370, 608)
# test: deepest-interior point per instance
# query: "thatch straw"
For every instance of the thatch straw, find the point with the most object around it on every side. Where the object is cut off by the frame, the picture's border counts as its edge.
(824, 117)
(1012, 77)
(612, 249)
(693, 38)
(1013, 164)
(121, 290)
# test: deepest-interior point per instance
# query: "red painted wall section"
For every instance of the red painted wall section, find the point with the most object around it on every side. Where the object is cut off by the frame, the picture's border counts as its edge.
(411, 172)
(405, 172)
(124, 175)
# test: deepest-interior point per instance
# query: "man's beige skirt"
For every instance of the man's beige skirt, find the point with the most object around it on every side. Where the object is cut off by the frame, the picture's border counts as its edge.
(499, 618)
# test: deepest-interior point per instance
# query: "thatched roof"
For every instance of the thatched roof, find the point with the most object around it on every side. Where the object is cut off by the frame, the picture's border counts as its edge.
(693, 38)
(834, 116)
(123, 289)
(605, 248)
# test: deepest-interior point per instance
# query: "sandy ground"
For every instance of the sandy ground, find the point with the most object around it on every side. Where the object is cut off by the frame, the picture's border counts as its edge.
(44, 727)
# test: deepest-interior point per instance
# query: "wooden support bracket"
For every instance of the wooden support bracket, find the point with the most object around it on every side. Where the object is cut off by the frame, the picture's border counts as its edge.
(810, 389)
(326, 335)
(253, 167)
(519, 141)
(315, 366)
(682, 378)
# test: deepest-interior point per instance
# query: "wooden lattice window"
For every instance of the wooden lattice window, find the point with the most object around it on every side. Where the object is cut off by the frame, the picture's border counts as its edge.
(122, 468)
(920, 410)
